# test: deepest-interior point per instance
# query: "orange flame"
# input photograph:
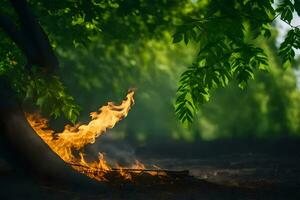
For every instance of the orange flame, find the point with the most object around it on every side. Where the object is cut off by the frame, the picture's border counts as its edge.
(74, 138)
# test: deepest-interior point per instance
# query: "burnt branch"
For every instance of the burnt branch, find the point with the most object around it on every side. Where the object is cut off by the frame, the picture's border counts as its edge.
(133, 170)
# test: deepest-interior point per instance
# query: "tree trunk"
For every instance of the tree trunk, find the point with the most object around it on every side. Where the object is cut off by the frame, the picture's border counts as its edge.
(25, 149)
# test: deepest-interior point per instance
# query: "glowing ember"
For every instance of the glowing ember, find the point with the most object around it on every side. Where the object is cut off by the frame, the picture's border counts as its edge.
(74, 138)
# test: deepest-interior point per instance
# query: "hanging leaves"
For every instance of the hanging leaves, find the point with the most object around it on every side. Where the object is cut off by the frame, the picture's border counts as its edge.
(50, 96)
(288, 46)
(225, 53)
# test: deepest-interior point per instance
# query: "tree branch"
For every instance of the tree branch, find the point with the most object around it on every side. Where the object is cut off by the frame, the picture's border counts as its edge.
(16, 36)
(34, 32)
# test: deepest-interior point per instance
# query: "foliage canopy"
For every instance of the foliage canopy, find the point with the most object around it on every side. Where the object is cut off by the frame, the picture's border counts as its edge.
(224, 34)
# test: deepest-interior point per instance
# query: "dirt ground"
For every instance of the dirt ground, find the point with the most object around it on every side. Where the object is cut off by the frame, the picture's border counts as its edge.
(235, 176)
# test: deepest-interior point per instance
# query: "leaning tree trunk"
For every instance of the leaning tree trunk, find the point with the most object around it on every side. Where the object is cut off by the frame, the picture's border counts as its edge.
(26, 149)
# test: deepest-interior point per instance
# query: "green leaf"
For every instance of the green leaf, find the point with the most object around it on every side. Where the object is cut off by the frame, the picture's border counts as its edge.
(286, 8)
(41, 101)
(72, 116)
(297, 6)
(177, 38)
(186, 37)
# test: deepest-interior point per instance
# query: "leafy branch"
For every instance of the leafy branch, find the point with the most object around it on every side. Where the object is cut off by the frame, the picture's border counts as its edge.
(226, 53)
(292, 40)
(50, 96)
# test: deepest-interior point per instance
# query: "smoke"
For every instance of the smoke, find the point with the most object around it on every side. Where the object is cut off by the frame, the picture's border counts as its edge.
(116, 151)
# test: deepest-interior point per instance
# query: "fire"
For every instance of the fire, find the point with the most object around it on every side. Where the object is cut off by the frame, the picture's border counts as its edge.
(73, 138)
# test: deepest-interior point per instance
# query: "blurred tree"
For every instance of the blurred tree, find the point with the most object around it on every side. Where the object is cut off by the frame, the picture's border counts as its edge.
(267, 107)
